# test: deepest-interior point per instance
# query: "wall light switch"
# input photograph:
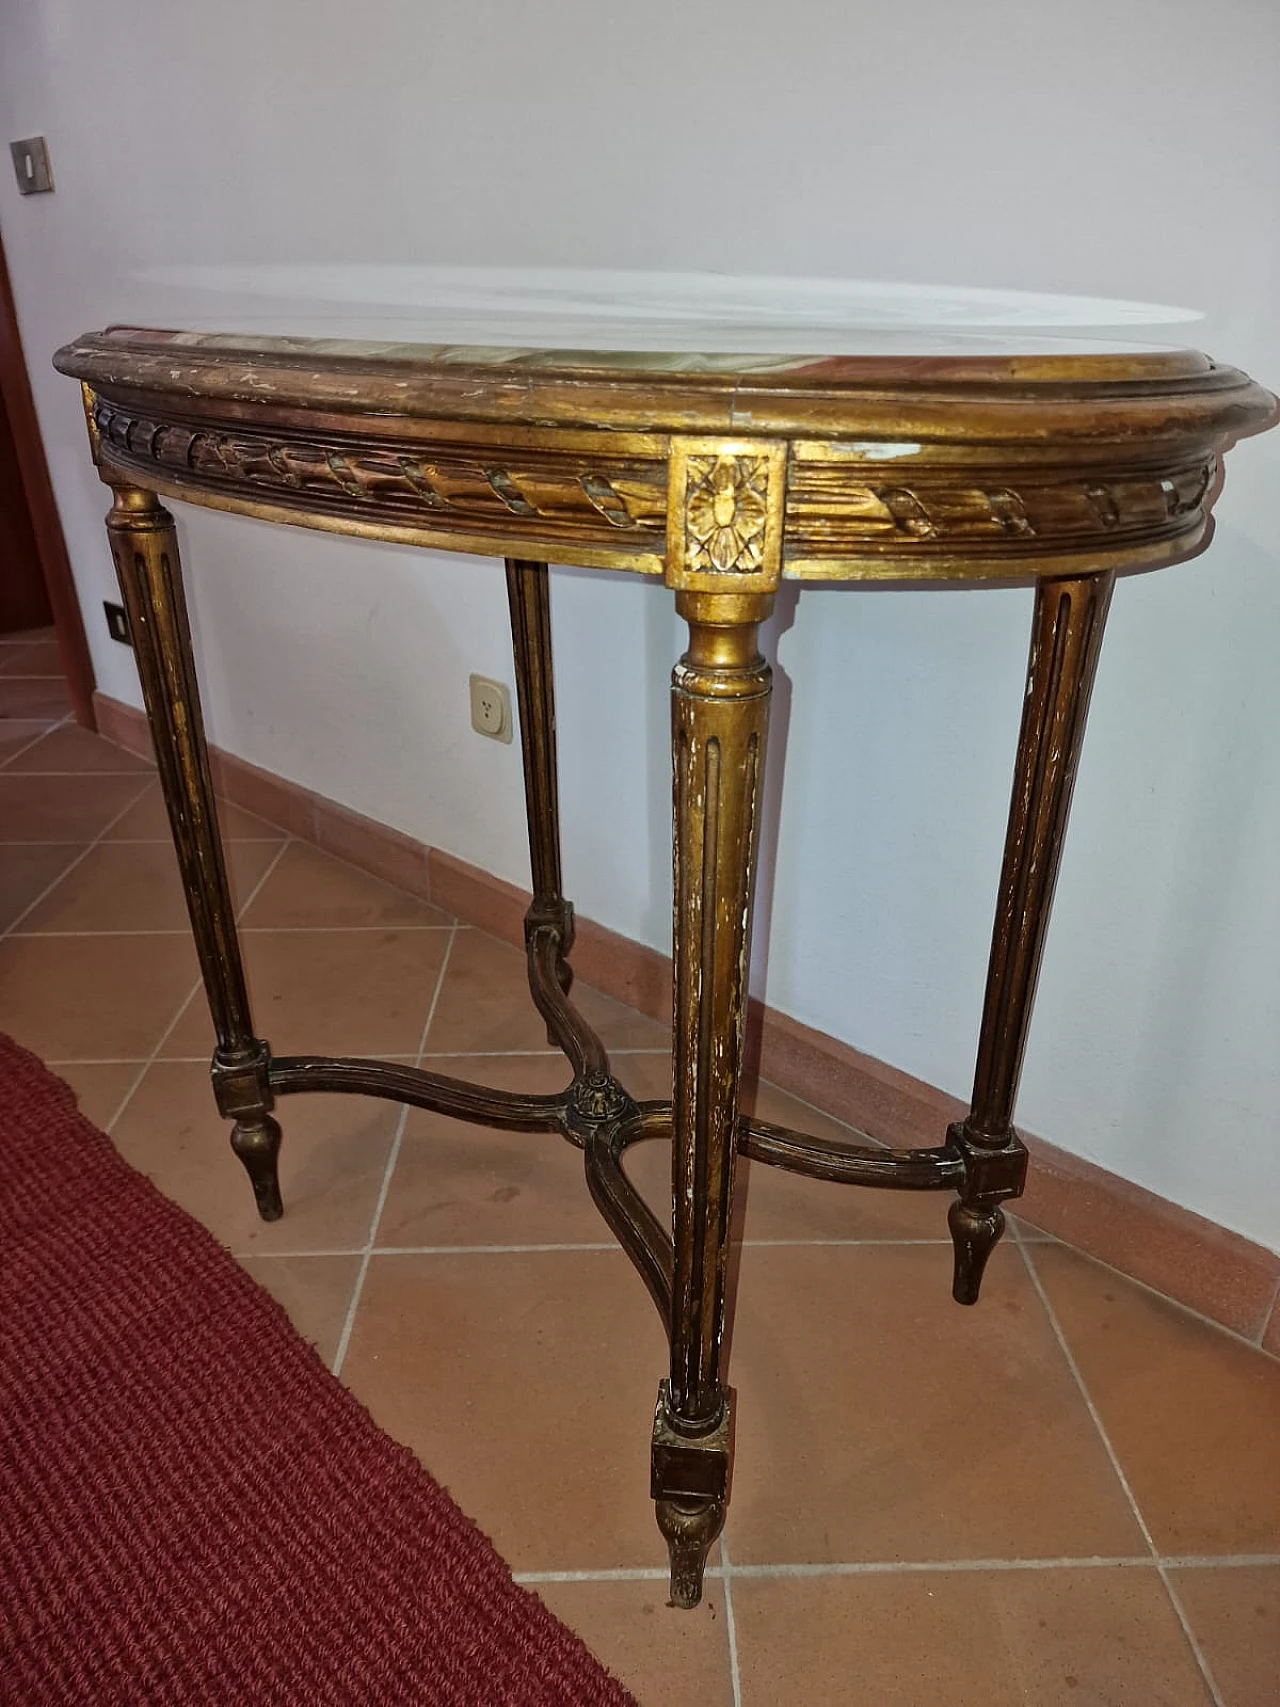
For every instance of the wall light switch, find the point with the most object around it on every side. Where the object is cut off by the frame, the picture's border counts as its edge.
(490, 708)
(31, 165)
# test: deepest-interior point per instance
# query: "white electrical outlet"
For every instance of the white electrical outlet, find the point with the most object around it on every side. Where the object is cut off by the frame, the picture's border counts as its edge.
(490, 708)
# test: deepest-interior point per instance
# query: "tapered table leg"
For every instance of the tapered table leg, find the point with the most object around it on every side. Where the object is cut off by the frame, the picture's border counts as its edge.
(1066, 637)
(528, 594)
(720, 708)
(145, 549)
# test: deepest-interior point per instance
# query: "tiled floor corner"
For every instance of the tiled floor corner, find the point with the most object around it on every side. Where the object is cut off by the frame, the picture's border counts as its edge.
(1068, 1495)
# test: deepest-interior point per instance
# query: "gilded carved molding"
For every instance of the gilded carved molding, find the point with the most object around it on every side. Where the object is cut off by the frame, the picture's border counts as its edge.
(734, 513)
(833, 509)
(453, 486)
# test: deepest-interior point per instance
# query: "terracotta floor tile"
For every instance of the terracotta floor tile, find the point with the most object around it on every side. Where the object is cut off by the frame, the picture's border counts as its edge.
(680, 1659)
(148, 822)
(26, 870)
(525, 1383)
(1235, 1614)
(771, 1204)
(485, 1005)
(1193, 1414)
(877, 1419)
(34, 696)
(31, 658)
(331, 992)
(71, 748)
(315, 1293)
(19, 732)
(458, 1184)
(780, 1205)
(62, 808)
(311, 888)
(1084, 1638)
(332, 1161)
(93, 997)
(120, 886)
(100, 1086)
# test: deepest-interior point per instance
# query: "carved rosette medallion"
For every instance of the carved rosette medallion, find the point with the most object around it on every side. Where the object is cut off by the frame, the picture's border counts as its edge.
(724, 520)
(724, 513)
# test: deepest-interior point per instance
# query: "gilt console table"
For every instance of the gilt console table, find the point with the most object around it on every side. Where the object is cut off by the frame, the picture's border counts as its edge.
(722, 475)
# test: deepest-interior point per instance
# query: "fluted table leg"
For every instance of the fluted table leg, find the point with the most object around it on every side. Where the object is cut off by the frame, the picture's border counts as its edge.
(528, 594)
(1066, 637)
(145, 549)
(720, 708)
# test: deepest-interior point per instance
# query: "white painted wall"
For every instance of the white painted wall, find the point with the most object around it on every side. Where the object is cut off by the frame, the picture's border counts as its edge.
(1110, 147)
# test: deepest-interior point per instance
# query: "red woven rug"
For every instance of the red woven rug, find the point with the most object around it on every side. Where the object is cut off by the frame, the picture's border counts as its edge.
(191, 1508)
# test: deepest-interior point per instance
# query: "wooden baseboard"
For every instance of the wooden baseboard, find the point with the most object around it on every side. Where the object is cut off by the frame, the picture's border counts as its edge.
(1195, 1262)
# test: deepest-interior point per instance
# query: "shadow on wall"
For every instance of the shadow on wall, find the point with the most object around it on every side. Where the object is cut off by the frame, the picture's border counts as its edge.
(1221, 829)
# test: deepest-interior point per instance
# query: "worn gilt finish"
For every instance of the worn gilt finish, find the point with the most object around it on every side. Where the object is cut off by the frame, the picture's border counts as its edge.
(725, 475)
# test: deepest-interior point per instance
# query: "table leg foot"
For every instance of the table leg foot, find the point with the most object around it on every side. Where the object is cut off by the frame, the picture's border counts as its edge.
(690, 1528)
(689, 1481)
(257, 1143)
(242, 1089)
(975, 1233)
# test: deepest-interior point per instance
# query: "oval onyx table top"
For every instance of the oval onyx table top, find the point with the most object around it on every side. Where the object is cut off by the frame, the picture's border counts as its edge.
(893, 453)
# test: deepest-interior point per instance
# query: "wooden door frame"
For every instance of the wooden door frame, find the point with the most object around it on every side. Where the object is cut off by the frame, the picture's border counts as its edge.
(51, 547)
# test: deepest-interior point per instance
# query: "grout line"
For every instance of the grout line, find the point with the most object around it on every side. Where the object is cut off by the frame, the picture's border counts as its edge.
(152, 930)
(1193, 1641)
(1021, 1234)
(1092, 1409)
(520, 1054)
(1174, 1599)
(334, 930)
(86, 850)
(167, 841)
(1266, 1319)
(939, 1567)
(532, 1249)
(730, 1625)
(35, 741)
(639, 1575)
(482, 1250)
(344, 1340)
(246, 930)
(439, 1055)
(178, 1060)
(173, 1023)
(94, 1060)
(841, 1244)
(726, 1572)
(136, 771)
(823, 1113)
(350, 1251)
(581, 1245)
(121, 841)
(142, 1071)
